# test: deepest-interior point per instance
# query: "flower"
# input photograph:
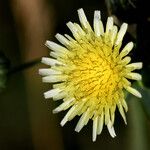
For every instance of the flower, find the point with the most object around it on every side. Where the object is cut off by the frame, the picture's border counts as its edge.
(90, 73)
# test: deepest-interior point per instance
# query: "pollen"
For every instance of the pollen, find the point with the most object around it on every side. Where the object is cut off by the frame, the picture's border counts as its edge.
(90, 73)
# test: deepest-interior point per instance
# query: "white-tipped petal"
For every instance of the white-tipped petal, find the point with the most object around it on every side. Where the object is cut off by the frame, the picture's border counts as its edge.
(62, 39)
(63, 106)
(95, 129)
(126, 49)
(111, 129)
(55, 47)
(134, 76)
(121, 33)
(50, 61)
(87, 118)
(54, 78)
(55, 55)
(107, 115)
(101, 27)
(122, 113)
(114, 34)
(137, 65)
(77, 110)
(97, 15)
(134, 91)
(109, 24)
(81, 122)
(124, 104)
(65, 119)
(59, 96)
(96, 23)
(46, 72)
(52, 93)
(100, 124)
(82, 17)
(112, 113)
(69, 38)
(125, 60)
(73, 29)
(80, 30)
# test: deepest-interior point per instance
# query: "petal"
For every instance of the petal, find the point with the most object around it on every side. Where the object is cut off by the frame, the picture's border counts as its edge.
(54, 78)
(100, 124)
(109, 24)
(96, 23)
(101, 27)
(77, 110)
(82, 17)
(55, 55)
(82, 120)
(137, 65)
(69, 38)
(125, 60)
(50, 61)
(80, 30)
(65, 119)
(46, 72)
(62, 39)
(114, 34)
(126, 49)
(107, 115)
(112, 113)
(134, 91)
(63, 106)
(111, 129)
(95, 122)
(121, 33)
(52, 93)
(55, 47)
(134, 76)
(122, 112)
(124, 104)
(59, 96)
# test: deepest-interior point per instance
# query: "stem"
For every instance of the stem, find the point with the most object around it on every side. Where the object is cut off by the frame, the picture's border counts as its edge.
(138, 126)
(23, 66)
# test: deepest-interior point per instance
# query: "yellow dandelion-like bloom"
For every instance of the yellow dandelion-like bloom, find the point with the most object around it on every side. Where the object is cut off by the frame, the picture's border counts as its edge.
(90, 73)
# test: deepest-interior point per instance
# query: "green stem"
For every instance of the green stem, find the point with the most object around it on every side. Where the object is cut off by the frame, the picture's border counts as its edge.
(23, 66)
(138, 125)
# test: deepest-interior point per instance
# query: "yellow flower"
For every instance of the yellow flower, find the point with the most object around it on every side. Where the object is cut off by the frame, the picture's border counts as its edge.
(90, 73)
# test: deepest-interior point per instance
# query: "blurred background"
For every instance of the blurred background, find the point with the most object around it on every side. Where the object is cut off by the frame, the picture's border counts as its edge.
(26, 119)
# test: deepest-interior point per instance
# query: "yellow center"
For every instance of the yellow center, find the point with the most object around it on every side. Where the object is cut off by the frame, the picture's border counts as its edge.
(94, 76)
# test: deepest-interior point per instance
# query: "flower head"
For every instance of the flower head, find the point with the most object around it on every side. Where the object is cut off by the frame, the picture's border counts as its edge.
(90, 73)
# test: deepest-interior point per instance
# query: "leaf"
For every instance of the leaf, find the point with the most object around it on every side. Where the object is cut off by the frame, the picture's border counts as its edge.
(145, 100)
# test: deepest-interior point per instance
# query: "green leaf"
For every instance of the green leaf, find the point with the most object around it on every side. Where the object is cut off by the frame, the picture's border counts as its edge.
(145, 100)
